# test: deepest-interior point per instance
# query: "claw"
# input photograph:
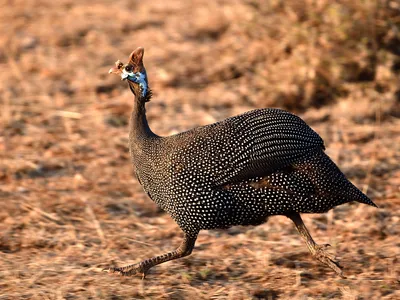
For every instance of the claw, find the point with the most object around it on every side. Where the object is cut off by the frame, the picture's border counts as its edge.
(108, 270)
(329, 260)
(112, 270)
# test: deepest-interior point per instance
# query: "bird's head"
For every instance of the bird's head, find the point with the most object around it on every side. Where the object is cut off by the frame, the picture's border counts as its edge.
(135, 73)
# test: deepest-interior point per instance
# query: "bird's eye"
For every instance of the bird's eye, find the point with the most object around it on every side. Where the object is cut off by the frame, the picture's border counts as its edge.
(128, 69)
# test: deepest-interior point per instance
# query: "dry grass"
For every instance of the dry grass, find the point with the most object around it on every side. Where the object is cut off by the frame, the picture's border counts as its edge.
(68, 202)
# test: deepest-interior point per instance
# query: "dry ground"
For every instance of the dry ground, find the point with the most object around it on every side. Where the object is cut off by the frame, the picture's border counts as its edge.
(69, 205)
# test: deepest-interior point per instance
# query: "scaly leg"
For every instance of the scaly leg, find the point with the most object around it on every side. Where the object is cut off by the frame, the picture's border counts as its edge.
(143, 267)
(316, 250)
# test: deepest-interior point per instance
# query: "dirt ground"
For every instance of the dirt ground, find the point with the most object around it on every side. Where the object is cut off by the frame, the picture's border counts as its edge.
(69, 205)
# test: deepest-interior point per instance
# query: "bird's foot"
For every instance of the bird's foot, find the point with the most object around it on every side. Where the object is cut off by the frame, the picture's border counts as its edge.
(128, 270)
(328, 259)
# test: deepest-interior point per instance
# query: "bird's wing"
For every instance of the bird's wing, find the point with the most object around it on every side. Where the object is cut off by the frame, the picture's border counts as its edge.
(266, 140)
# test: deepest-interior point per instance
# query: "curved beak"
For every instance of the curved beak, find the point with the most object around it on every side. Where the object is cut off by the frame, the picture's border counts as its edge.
(114, 70)
(117, 69)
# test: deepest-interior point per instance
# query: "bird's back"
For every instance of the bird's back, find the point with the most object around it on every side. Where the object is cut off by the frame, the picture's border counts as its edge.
(242, 147)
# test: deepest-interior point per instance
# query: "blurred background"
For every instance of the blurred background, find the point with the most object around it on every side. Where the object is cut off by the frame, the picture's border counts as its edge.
(69, 205)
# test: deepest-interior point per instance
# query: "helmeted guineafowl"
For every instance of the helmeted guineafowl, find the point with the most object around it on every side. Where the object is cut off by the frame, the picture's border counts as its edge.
(235, 172)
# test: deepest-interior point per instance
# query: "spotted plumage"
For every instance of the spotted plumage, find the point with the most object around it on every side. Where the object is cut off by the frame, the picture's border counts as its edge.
(238, 171)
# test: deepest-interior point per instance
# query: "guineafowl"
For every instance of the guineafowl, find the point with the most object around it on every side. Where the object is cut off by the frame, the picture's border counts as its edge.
(238, 171)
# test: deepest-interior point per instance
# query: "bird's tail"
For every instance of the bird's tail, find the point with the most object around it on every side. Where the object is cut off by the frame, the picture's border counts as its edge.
(342, 185)
(362, 198)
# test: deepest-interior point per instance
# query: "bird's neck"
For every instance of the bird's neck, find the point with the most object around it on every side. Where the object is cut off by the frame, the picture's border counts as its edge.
(140, 132)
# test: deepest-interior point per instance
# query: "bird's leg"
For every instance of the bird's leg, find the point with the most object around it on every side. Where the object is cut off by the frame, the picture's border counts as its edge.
(318, 251)
(143, 267)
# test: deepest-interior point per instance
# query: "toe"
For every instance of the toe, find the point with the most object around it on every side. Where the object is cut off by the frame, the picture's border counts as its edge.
(129, 270)
(109, 270)
(329, 260)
